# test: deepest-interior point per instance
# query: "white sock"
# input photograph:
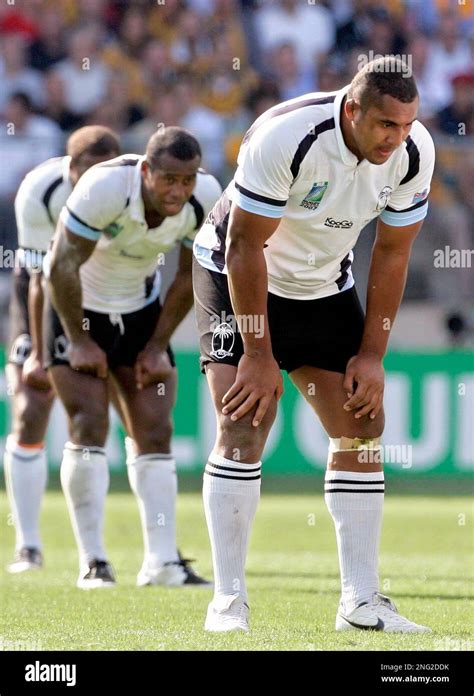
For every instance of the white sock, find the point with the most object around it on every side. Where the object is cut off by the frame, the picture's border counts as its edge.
(153, 480)
(85, 481)
(355, 501)
(26, 474)
(231, 491)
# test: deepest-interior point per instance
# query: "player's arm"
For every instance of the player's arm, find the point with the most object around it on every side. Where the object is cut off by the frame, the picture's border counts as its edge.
(258, 378)
(153, 364)
(364, 379)
(397, 227)
(33, 372)
(178, 301)
(262, 185)
(70, 251)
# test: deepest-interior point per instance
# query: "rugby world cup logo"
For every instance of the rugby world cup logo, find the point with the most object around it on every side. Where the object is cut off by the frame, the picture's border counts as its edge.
(223, 338)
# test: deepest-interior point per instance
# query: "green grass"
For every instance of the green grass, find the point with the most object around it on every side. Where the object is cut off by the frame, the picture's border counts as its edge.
(293, 580)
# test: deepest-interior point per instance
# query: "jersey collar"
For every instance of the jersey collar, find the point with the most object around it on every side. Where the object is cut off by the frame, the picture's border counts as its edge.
(347, 156)
(136, 206)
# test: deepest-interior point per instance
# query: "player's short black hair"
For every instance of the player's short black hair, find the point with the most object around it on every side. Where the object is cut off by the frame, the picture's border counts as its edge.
(177, 142)
(97, 141)
(388, 75)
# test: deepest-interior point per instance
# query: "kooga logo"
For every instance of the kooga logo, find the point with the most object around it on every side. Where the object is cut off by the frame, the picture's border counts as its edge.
(340, 224)
(38, 672)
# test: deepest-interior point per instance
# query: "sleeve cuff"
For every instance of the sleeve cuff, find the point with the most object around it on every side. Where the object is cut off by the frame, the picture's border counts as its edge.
(403, 218)
(255, 203)
(77, 226)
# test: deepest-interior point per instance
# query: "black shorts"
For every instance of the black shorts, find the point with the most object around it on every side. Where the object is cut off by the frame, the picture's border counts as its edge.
(19, 339)
(121, 336)
(322, 333)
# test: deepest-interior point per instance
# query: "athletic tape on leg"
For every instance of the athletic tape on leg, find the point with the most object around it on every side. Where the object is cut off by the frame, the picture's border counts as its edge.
(354, 444)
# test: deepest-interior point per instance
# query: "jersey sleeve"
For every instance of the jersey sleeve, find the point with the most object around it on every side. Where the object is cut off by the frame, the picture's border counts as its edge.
(206, 193)
(96, 201)
(408, 203)
(35, 229)
(263, 178)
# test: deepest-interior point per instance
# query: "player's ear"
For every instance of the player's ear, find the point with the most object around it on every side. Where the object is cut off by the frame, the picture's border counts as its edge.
(350, 108)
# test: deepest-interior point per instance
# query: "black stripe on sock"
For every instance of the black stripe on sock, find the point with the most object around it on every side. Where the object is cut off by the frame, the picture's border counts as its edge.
(234, 478)
(360, 483)
(354, 490)
(231, 468)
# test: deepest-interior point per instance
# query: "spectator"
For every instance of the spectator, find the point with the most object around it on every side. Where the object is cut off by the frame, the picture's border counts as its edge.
(48, 48)
(15, 75)
(115, 111)
(193, 46)
(157, 69)
(291, 78)
(84, 74)
(310, 28)
(203, 123)
(163, 111)
(458, 117)
(449, 56)
(25, 141)
(55, 103)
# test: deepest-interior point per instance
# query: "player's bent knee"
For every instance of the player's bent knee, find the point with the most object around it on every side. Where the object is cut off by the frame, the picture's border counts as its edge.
(89, 427)
(155, 439)
(241, 439)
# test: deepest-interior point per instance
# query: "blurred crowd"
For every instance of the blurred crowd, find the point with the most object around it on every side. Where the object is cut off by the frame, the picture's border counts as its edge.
(213, 66)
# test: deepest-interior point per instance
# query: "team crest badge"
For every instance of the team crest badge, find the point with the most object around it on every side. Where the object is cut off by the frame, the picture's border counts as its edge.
(222, 341)
(383, 199)
(315, 195)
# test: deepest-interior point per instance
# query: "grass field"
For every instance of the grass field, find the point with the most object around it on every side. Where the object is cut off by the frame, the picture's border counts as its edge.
(293, 581)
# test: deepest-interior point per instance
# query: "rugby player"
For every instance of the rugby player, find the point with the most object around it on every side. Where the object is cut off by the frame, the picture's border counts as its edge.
(274, 291)
(41, 195)
(105, 287)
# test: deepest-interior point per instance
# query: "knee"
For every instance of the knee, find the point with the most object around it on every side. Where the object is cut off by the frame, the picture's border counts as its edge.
(89, 427)
(366, 427)
(30, 416)
(156, 438)
(240, 440)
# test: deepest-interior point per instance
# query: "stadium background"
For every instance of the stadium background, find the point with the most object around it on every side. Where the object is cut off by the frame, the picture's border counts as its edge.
(213, 66)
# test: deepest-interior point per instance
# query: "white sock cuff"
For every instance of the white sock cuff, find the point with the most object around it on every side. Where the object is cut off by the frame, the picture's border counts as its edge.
(228, 468)
(229, 477)
(354, 490)
(358, 476)
(165, 461)
(92, 449)
(12, 446)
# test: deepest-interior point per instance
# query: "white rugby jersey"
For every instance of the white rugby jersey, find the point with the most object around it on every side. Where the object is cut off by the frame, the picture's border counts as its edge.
(294, 165)
(106, 204)
(39, 201)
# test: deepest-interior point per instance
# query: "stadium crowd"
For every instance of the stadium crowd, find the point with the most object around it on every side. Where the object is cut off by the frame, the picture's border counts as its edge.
(212, 66)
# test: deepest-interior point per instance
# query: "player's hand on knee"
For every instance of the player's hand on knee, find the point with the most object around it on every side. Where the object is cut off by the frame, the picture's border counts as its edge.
(152, 366)
(88, 357)
(34, 375)
(364, 385)
(258, 381)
